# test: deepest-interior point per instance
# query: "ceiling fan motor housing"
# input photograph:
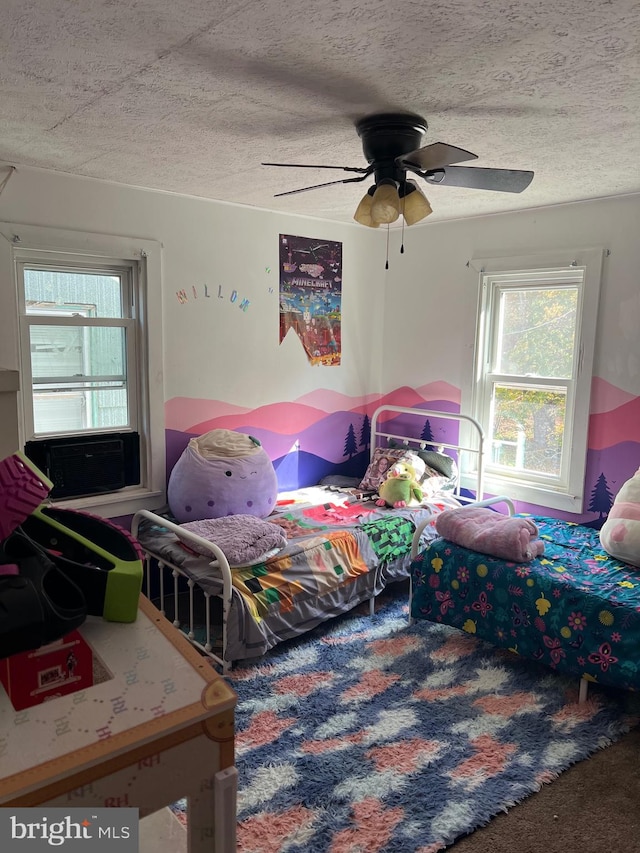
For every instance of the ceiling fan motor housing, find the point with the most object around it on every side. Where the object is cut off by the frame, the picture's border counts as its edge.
(385, 137)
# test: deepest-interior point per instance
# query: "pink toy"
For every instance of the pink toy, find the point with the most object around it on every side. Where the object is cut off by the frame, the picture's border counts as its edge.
(481, 529)
(620, 534)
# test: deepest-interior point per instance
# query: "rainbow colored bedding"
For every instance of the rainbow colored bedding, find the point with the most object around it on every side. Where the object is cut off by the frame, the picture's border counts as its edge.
(575, 609)
(340, 551)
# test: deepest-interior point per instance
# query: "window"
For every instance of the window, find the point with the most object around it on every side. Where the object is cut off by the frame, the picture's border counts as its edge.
(79, 347)
(87, 332)
(534, 357)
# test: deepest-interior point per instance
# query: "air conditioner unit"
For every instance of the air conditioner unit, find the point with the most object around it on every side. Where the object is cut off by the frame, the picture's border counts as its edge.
(87, 466)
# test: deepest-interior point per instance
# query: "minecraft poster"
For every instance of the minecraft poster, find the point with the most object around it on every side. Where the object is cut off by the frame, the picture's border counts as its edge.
(311, 296)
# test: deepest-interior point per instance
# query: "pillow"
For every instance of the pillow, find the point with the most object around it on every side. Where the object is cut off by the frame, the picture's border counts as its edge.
(434, 482)
(620, 534)
(337, 481)
(383, 459)
(443, 464)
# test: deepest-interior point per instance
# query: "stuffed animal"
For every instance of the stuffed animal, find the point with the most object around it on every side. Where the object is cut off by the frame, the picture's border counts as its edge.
(220, 473)
(400, 488)
(620, 534)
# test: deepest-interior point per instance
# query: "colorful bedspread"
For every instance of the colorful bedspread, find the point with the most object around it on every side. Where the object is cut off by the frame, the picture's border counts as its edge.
(574, 609)
(341, 550)
(329, 546)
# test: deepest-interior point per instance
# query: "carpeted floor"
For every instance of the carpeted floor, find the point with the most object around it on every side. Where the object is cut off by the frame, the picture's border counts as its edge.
(593, 807)
(337, 752)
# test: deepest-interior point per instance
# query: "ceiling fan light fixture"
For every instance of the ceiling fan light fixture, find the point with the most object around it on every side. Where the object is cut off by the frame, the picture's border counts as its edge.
(363, 210)
(415, 204)
(385, 207)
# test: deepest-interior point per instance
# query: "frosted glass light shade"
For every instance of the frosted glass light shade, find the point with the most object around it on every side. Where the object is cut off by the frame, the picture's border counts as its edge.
(386, 203)
(363, 212)
(416, 207)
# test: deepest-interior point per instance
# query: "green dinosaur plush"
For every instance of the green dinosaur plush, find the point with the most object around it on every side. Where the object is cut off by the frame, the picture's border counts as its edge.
(400, 488)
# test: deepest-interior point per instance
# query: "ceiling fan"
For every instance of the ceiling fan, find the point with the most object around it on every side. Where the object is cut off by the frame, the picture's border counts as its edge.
(391, 146)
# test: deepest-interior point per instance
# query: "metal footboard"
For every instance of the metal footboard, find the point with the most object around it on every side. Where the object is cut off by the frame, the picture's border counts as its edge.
(416, 546)
(218, 562)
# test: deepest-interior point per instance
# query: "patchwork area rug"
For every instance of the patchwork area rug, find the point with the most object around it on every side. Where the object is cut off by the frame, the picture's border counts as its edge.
(369, 735)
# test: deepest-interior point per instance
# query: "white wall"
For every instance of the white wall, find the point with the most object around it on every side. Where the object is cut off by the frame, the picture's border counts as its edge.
(431, 295)
(214, 350)
(427, 298)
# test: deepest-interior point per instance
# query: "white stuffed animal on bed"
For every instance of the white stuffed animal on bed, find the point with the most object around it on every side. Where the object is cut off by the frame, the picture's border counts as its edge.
(620, 534)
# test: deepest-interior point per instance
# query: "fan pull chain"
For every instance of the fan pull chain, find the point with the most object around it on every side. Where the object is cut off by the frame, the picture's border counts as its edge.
(402, 237)
(386, 265)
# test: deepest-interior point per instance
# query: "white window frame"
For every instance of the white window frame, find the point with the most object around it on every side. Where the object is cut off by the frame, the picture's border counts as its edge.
(580, 268)
(26, 244)
(127, 271)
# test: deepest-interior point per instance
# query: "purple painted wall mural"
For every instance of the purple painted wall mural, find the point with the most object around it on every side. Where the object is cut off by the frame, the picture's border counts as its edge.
(325, 432)
(322, 433)
(614, 447)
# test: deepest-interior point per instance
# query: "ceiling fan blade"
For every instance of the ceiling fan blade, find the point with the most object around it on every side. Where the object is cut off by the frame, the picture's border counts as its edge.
(435, 156)
(317, 186)
(299, 76)
(499, 180)
(362, 170)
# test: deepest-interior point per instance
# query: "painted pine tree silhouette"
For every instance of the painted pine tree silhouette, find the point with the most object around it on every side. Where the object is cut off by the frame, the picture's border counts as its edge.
(601, 498)
(426, 434)
(350, 444)
(365, 432)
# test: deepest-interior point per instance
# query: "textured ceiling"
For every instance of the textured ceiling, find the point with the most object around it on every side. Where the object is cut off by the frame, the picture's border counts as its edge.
(189, 96)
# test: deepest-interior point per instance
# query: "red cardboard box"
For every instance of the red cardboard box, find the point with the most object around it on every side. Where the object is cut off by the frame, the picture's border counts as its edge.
(53, 670)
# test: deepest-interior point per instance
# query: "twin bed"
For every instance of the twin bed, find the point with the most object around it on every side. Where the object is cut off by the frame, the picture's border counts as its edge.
(342, 549)
(575, 609)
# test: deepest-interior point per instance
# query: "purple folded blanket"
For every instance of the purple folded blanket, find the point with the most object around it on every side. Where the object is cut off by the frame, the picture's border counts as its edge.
(481, 529)
(242, 538)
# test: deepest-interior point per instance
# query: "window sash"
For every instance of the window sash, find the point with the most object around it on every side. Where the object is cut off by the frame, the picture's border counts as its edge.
(129, 379)
(496, 286)
(498, 332)
(128, 340)
(518, 473)
(582, 270)
(81, 265)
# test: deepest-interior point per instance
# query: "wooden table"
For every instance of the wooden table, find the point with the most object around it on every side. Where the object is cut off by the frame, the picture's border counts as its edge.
(160, 729)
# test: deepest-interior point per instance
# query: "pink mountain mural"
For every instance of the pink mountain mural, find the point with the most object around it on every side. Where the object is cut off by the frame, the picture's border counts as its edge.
(289, 419)
(311, 440)
(616, 426)
(285, 418)
(334, 401)
(421, 397)
(182, 412)
(442, 391)
(605, 396)
(326, 432)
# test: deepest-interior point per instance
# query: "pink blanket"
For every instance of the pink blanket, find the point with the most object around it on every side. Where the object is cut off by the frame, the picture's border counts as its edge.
(481, 529)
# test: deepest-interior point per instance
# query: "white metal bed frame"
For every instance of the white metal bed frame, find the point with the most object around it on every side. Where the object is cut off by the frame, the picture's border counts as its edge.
(219, 563)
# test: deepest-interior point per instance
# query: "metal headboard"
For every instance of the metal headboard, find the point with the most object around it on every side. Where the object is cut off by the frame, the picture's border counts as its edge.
(470, 455)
